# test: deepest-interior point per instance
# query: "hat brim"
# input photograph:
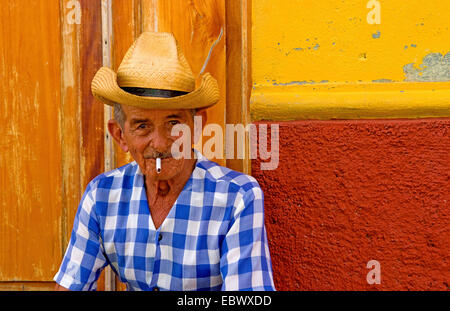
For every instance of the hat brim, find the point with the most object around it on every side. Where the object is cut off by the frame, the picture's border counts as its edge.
(105, 88)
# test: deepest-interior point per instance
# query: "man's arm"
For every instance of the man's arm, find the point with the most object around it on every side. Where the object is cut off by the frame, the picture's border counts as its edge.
(245, 260)
(84, 258)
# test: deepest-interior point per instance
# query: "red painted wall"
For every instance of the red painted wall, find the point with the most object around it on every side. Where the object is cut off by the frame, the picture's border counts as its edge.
(346, 192)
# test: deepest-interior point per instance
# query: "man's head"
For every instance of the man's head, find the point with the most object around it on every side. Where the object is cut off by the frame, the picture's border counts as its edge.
(153, 90)
(147, 135)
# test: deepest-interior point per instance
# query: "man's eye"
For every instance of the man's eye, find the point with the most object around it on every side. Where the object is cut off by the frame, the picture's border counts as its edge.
(142, 127)
(174, 122)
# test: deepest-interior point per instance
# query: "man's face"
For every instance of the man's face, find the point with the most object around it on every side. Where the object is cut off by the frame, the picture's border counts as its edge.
(147, 134)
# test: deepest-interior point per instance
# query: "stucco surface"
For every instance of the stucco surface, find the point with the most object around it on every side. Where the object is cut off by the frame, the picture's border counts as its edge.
(347, 192)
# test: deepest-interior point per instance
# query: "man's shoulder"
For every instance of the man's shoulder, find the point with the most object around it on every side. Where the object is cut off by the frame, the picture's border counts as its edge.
(230, 188)
(107, 180)
(213, 172)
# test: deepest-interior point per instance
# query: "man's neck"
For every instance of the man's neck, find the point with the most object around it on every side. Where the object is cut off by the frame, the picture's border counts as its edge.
(171, 188)
(162, 194)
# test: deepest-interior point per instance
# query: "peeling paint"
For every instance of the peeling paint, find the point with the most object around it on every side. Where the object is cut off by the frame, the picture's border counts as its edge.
(298, 83)
(434, 68)
(315, 47)
(382, 80)
(292, 83)
(376, 35)
(370, 63)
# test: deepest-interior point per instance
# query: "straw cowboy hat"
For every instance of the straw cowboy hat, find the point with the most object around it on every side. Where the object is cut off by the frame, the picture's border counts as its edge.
(154, 74)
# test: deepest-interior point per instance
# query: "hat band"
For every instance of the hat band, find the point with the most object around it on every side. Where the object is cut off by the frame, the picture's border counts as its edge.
(146, 92)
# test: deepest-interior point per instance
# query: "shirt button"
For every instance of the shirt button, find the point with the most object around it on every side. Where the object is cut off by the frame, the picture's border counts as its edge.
(156, 289)
(160, 237)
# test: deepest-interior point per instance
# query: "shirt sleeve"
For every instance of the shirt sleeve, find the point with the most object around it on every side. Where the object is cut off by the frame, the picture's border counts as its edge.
(245, 259)
(84, 259)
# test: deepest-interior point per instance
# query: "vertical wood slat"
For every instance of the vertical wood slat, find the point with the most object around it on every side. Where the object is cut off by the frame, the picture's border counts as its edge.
(149, 15)
(107, 43)
(72, 188)
(82, 117)
(30, 159)
(107, 39)
(238, 73)
(91, 110)
(92, 113)
(126, 28)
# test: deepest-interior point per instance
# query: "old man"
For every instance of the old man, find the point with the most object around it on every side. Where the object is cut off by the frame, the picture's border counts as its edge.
(164, 222)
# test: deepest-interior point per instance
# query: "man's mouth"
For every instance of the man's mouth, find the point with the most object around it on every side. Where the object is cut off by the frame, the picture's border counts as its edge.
(152, 158)
(156, 155)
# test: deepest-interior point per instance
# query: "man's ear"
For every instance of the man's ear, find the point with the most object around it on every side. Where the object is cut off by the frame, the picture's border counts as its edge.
(115, 130)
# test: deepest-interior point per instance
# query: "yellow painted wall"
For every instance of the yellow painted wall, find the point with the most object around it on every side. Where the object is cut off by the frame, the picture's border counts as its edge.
(331, 54)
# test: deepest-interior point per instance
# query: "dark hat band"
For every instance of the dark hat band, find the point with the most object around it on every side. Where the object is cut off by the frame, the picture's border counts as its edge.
(145, 92)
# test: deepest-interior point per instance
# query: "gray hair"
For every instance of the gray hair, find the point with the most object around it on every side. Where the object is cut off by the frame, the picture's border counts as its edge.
(119, 114)
(120, 117)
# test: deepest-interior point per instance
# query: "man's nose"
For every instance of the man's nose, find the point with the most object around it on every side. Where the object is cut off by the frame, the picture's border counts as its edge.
(159, 140)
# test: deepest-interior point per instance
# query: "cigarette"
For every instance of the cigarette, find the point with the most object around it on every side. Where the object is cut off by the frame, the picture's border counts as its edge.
(158, 165)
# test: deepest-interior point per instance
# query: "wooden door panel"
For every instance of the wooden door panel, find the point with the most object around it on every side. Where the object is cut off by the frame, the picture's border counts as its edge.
(30, 157)
(126, 27)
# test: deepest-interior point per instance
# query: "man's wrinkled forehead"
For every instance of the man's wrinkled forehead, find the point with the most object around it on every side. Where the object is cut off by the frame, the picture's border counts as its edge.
(155, 114)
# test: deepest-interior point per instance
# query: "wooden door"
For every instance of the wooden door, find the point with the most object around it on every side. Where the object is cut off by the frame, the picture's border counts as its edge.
(52, 137)
(30, 140)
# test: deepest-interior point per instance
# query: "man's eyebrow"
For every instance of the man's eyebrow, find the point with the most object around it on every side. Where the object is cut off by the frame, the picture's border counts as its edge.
(174, 116)
(135, 121)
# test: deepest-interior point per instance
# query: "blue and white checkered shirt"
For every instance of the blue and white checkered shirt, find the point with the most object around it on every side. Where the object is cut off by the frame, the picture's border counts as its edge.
(212, 239)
